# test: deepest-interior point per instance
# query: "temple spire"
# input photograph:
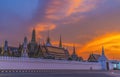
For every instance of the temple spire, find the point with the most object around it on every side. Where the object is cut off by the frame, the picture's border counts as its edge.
(6, 49)
(48, 40)
(24, 51)
(74, 55)
(74, 51)
(25, 39)
(60, 42)
(2, 49)
(103, 53)
(6, 45)
(33, 36)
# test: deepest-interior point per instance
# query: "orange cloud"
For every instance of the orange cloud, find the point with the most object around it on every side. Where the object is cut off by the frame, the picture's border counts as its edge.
(41, 27)
(66, 44)
(44, 27)
(54, 10)
(81, 6)
(69, 10)
(109, 41)
(74, 4)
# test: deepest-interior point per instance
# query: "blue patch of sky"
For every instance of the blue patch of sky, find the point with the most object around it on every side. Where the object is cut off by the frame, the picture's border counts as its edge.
(23, 8)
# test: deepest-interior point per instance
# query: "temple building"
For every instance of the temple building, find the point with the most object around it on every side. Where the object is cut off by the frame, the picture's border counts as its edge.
(74, 56)
(103, 57)
(60, 42)
(25, 48)
(33, 46)
(7, 50)
(48, 43)
(32, 49)
(93, 57)
(97, 57)
(56, 52)
(104, 61)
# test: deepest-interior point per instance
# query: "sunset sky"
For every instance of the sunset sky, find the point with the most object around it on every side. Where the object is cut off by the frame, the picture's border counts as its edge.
(88, 24)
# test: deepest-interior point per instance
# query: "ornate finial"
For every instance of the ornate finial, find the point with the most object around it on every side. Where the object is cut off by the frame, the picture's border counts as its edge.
(103, 51)
(74, 52)
(60, 42)
(33, 36)
(6, 45)
(48, 40)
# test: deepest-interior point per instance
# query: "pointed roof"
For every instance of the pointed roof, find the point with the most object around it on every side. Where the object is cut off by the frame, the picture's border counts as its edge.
(103, 51)
(25, 39)
(74, 51)
(103, 57)
(25, 42)
(48, 40)
(33, 35)
(6, 43)
(74, 55)
(60, 42)
(93, 57)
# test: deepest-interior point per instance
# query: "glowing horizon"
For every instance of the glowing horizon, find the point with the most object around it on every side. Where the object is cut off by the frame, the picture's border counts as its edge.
(89, 24)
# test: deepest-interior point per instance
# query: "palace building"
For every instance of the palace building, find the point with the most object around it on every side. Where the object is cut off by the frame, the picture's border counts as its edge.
(46, 51)
(34, 50)
(56, 52)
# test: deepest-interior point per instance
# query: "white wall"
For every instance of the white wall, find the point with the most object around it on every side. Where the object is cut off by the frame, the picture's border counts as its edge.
(32, 63)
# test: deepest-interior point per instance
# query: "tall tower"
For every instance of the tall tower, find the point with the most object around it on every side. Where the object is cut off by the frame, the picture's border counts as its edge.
(74, 56)
(74, 50)
(2, 50)
(32, 46)
(6, 46)
(103, 59)
(24, 50)
(6, 49)
(48, 43)
(33, 36)
(60, 42)
(103, 54)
